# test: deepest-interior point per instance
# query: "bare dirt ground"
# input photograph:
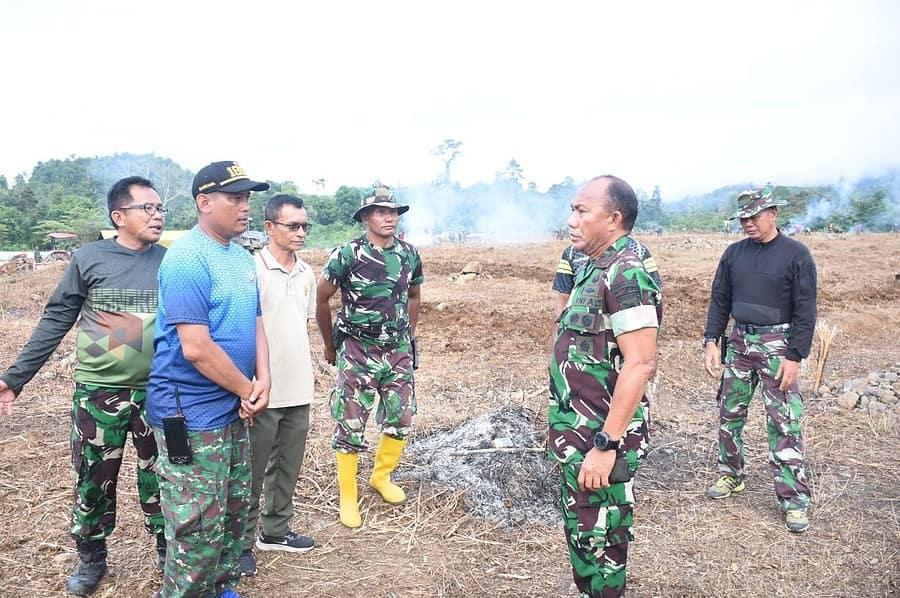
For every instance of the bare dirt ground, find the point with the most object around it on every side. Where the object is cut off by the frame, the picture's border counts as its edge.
(484, 347)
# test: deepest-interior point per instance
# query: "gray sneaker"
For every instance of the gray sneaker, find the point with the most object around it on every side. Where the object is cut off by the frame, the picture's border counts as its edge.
(724, 487)
(290, 542)
(247, 564)
(796, 520)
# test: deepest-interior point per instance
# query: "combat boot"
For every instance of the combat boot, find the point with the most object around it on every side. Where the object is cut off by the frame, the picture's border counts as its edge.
(161, 547)
(91, 568)
(386, 459)
(346, 472)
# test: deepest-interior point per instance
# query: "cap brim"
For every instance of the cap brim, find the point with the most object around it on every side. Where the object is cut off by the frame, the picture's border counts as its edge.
(752, 213)
(400, 209)
(244, 185)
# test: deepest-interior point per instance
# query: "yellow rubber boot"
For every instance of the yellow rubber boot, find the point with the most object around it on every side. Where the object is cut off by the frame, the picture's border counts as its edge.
(346, 474)
(386, 459)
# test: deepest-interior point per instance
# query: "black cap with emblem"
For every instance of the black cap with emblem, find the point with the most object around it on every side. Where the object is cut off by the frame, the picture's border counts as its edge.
(227, 176)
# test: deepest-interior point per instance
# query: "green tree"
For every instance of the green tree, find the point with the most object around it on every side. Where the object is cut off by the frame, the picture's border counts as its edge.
(563, 190)
(447, 152)
(651, 215)
(864, 208)
(340, 209)
(513, 172)
(14, 232)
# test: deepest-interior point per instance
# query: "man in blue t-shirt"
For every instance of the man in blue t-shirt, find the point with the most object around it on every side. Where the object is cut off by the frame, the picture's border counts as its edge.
(211, 366)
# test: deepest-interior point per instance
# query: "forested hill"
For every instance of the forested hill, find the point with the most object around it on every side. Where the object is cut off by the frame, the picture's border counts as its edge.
(70, 196)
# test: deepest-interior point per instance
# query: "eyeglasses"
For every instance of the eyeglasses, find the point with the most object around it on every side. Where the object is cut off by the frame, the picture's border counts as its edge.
(149, 208)
(293, 226)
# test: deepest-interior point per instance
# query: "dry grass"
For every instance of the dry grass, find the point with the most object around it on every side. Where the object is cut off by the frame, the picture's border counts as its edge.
(484, 345)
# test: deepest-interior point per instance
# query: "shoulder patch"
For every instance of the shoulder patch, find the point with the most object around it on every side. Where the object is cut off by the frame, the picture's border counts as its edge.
(628, 294)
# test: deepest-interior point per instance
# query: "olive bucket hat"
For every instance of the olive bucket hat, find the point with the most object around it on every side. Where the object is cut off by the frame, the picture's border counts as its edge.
(753, 201)
(378, 195)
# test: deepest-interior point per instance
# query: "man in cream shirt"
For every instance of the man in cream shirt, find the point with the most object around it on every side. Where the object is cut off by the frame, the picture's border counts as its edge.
(287, 288)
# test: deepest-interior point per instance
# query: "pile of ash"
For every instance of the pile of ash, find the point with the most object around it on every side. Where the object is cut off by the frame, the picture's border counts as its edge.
(507, 486)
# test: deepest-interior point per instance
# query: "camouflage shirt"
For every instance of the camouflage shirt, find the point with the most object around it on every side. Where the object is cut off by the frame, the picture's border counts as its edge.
(613, 294)
(374, 285)
(572, 260)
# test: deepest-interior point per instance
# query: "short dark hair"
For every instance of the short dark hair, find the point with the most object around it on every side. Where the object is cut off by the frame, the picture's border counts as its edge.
(621, 198)
(274, 205)
(120, 193)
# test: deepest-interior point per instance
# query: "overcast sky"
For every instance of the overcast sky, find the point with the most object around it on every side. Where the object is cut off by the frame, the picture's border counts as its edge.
(686, 95)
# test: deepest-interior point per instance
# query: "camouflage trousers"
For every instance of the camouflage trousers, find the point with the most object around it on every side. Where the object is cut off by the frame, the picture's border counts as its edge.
(101, 420)
(205, 504)
(753, 359)
(367, 372)
(598, 526)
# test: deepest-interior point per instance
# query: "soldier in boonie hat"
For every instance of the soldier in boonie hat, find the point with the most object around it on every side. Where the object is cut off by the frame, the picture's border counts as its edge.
(378, 195)
(753, 201)
(372, 344)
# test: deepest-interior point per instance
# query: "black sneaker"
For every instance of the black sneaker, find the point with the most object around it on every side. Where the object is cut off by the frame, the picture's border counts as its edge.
(290, 542)
(247, 564)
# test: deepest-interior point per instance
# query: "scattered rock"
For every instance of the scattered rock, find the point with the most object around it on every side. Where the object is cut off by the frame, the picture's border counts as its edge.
(856, 385)
(848, 400)
(876, 407)
(471, 268)
(884, 394)
(876, 392)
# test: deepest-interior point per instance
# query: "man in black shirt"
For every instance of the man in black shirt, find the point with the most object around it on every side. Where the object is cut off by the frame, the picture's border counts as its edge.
(767, 283)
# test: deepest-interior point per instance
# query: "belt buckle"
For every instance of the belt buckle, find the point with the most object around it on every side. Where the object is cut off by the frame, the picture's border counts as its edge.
(750, 329)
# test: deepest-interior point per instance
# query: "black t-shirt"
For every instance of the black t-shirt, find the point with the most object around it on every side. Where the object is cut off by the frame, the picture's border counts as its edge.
(766, 283)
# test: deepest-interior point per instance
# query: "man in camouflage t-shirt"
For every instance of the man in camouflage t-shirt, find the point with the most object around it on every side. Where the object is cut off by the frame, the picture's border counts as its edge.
(605, 353)
(372, 344)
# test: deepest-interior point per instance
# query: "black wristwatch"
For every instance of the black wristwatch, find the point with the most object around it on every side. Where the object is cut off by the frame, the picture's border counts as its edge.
(602, 442)
(710, 340)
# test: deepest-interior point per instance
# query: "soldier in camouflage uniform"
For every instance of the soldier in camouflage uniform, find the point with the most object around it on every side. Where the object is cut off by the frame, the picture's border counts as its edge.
(110, 289)
(572, 261)
(767, 283)
(605, 353)
(372, 344)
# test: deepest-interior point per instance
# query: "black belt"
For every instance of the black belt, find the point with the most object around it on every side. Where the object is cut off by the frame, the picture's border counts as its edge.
(760, 329)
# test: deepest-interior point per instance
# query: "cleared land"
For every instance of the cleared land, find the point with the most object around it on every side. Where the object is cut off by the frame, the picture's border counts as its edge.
(484, 346)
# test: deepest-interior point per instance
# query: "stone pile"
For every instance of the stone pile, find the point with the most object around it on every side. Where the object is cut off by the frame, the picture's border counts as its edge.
(877, 392)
